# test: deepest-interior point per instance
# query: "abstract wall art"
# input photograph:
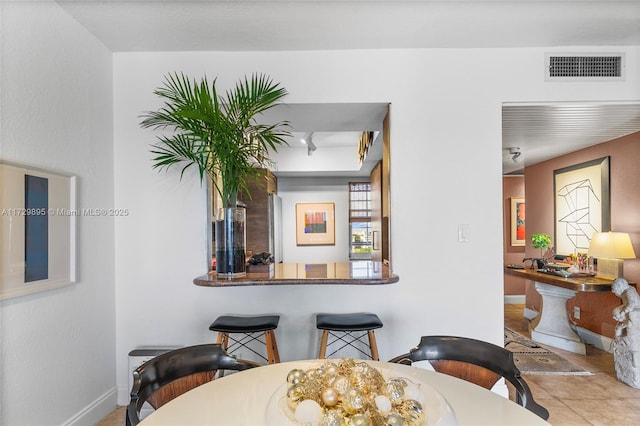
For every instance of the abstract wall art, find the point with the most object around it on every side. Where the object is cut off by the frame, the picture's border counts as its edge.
(37, 229)
(315, 224)
(582, 204)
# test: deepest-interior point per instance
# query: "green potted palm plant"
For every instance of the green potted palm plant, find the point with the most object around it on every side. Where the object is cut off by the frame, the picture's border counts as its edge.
(222, 138)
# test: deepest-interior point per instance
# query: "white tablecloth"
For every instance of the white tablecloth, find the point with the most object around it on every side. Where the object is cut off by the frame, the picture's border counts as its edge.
(248, 398)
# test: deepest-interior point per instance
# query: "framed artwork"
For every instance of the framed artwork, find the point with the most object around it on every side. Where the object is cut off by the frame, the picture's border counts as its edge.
(315, 224)
(582, 204)
(38, 230)
(517, 221)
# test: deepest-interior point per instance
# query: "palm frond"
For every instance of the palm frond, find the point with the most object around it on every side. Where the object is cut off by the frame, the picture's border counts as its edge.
(221, 137)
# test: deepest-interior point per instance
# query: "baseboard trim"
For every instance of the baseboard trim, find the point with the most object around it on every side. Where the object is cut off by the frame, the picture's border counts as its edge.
(597, 340)
(96, 411)
(514, 299)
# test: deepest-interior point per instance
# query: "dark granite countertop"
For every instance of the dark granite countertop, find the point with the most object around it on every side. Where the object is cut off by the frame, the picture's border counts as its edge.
(342, 273)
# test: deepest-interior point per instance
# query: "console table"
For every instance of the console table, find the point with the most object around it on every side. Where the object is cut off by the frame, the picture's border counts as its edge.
(552, 326)
(364, 272)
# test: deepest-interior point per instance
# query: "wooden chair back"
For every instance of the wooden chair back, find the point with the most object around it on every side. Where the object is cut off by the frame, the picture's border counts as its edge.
(171, 374)
(476, 361)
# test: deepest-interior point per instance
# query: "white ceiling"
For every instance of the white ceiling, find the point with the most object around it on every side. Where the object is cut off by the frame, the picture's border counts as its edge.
(541, 131)
(182, 25)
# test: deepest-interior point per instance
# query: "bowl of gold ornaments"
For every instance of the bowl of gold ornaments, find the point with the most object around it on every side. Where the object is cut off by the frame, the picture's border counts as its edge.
(347, 392)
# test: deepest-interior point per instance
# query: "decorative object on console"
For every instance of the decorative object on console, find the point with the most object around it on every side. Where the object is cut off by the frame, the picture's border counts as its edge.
(626, 345)
(610, 248)
(222, 138)
(261, 259)
(543, 242)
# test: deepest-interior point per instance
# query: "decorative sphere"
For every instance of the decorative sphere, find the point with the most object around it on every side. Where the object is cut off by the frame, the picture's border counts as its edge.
(295, 395)
(394, 419)
(341, 384)
(308, 411)
(353, 401)
(315, 373)
(395, 391)
(331, 368)
(295, 376)
(345, 365)
(413, 412)
(359, 420)
(383, 404)
(330, 397)
(359, 381)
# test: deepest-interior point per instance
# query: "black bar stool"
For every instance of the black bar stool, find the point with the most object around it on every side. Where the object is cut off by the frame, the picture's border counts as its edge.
(251, 328)
(348, 328)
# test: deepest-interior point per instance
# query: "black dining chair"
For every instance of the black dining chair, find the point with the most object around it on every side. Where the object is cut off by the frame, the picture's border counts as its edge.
(475, 361)
(173, 373)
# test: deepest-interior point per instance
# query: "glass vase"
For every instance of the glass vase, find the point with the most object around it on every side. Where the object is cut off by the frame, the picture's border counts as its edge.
(231, 241)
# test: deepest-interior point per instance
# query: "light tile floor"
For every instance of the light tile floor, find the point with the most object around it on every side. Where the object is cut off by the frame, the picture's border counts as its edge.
(599, 399)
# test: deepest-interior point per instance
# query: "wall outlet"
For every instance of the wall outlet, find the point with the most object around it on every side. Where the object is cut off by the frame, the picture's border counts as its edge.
(576, 312)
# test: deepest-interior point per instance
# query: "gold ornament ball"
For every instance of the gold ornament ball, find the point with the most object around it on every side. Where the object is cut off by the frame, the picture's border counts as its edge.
(359, 381)
(295, 395)
(395, 392)
(395, 419)
(345, 365)
(359, 420)
(331, 368)
(330, 397)
(295, 376)
(353, 401)
(341, 384)
(315, 373)
(413, 412)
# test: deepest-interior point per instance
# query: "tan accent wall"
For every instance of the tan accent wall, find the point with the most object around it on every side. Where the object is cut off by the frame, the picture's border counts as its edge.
(512, 186)
(624, 165)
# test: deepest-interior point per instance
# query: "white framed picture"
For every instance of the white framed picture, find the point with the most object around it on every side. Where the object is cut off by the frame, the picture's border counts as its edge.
(38, 229)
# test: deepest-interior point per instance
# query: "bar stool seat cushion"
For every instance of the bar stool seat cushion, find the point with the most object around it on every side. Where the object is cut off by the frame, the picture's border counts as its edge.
(348, 322)
(244, 324)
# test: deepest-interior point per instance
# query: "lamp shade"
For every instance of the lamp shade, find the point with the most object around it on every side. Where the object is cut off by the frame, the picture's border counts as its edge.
(611, 245)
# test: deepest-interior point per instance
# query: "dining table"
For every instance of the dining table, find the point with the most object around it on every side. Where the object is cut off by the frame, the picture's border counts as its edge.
(258, 396)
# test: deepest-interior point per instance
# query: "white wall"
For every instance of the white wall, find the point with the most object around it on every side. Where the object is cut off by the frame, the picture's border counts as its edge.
(445, 104)
(307, 190)
(57, 347)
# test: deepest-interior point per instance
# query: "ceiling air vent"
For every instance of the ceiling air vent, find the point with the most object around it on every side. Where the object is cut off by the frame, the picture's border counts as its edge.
(584, 67)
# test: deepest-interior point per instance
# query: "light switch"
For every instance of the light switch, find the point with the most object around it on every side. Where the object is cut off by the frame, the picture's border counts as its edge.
(464, 233)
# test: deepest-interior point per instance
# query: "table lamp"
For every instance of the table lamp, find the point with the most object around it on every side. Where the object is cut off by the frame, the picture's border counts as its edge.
(610, 248)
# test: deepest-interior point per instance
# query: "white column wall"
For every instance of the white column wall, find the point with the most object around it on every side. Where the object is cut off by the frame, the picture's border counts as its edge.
(57, 347)
(445, 171)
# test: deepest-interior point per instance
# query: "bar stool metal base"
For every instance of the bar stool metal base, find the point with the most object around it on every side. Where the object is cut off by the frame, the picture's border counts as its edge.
(348, 329)
(250, 329)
